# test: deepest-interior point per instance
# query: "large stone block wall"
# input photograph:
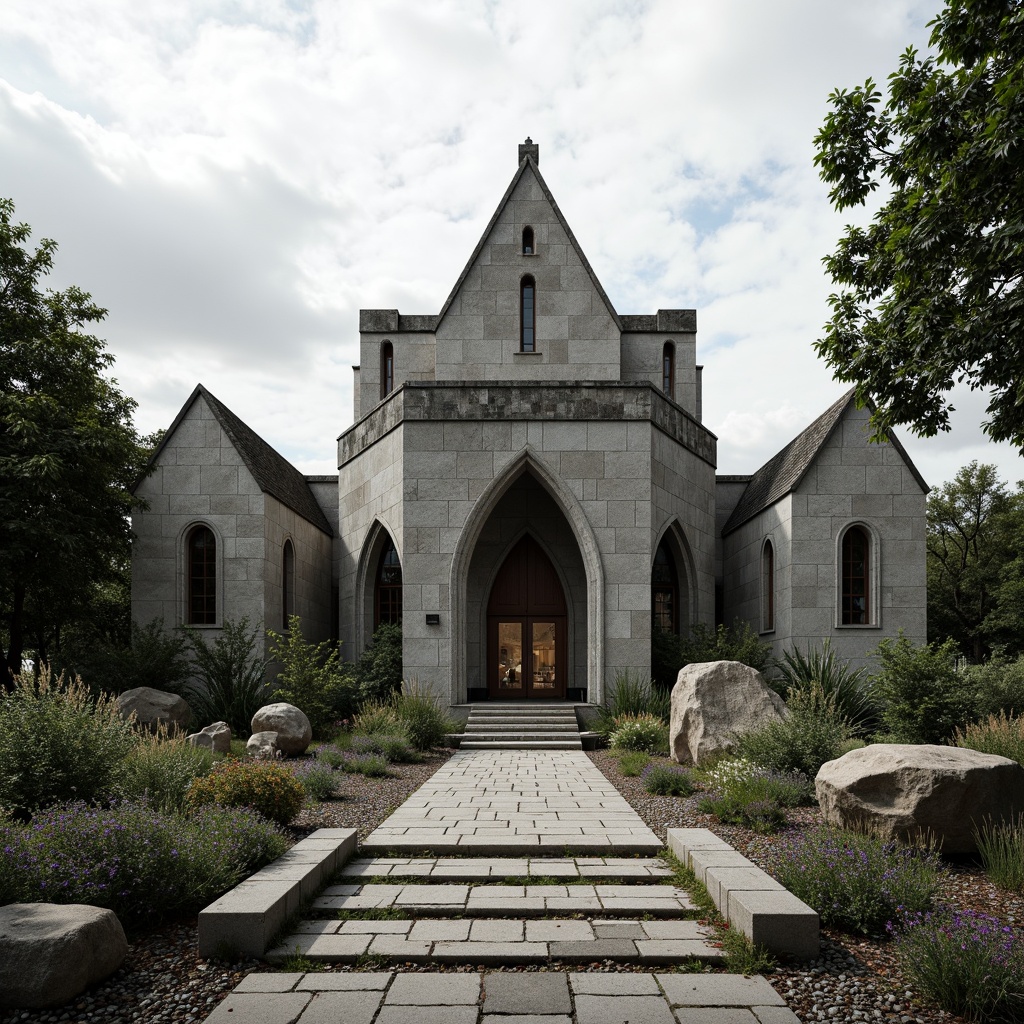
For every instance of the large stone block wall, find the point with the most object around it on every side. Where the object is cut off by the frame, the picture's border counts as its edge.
(642, 360)
(413, 356)
(576, 333)
(200, 478)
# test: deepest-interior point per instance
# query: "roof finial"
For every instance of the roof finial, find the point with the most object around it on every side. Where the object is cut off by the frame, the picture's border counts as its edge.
(529, 148)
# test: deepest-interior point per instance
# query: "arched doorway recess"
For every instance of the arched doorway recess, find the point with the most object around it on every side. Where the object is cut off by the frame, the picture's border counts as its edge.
(527, 628)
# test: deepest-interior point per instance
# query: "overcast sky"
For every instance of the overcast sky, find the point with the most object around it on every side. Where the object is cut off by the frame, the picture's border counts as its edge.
(235, 180)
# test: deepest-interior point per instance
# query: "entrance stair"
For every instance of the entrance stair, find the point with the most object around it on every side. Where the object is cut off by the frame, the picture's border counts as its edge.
(521, 726)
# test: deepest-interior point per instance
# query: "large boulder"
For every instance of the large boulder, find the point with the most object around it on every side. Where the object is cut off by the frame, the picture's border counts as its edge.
(291, 725)
(262, 746)
(153, 708)
(907, 791)
(50, 953)
(215, 737)
(713, 702)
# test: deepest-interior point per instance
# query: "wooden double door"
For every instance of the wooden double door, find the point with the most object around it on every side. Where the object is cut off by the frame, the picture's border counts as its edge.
(526, 628)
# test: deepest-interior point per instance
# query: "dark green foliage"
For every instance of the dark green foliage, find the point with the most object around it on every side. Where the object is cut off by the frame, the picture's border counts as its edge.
(633, 762)
(161, 769)
(58, 742)
(996, 734)
(741, 793)
(854, 700)
(666, 658)
(229, 686)
(738, 642)
(378, 672)
(998, 687)
(922, 697)
(813, 733)
(632, 694)
(929, 292)
(424, 723)
(69, 455)
(667, 780)
(313, 679)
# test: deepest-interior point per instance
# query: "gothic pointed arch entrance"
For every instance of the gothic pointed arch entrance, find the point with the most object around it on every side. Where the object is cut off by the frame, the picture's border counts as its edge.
(527, 628)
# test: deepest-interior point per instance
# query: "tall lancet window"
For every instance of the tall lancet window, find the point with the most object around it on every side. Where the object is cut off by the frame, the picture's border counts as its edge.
(287, 584)
(527, 241)
(527, 315)
(767, 587)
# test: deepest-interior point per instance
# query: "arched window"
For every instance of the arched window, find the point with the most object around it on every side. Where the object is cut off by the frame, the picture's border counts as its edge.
(855, 605)
(287, 584)
(664, 591)
(527, 319)
(767, 587)
(527, 241)
(387, 369)
(388, 588)
(668, 369)
(201, 553)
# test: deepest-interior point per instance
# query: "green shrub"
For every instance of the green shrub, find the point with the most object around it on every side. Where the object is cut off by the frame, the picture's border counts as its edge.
(812, 733)
(312, 678)
(423, 721)
(131, 858)
(229, 686)
(854, 700)
(268, 789)
(378, 672)
(371, 765)
(633, 762)
(377, 717)
(161, 770)
(330, 754)
(970, 963)
(1001, 847)
(664, 780)
(738, 642)
(317, 778)
(922, 697)
(998, 734)
(856, 882)
(998, 687)
(396, 749)
(644, 732)
(740, 792)
(58, 742)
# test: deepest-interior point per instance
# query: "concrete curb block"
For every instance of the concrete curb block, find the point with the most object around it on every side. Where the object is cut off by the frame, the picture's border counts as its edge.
(247, 918)
(748, 898)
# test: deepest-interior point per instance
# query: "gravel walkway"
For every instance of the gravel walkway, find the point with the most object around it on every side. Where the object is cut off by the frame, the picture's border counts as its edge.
(163, 980)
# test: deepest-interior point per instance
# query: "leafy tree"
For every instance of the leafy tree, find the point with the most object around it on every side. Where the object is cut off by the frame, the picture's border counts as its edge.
(931, 291)
(969, 544)
(378, 672)
(69, 454)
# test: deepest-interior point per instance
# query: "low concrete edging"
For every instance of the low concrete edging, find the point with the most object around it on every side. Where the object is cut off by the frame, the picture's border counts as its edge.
(748, 898)
(247, 918)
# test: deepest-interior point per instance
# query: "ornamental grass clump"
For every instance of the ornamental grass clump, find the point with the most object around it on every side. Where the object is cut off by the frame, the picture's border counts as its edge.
(633, 762)
(131, 858)
(317, 778)
(1001, 847)
(856, 882)
(998, 734)
(162, 768)
(373, 766)
(267, 788)
(664, 780)
(971, 964)
(644, 732)
(58, 742)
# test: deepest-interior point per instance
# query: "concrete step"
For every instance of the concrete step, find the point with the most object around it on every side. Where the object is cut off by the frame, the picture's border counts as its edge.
(513, 744)
(518, 725)
(466, 869)
(455, 899)
(522, 732)
(501, 941)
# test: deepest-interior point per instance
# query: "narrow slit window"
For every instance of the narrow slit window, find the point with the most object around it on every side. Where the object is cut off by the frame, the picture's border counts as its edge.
(527, 315)
(856, 609)
(287, 584)
(527, 241)
(767, 587)
(202, 577)
(668, 369)
(387, 369)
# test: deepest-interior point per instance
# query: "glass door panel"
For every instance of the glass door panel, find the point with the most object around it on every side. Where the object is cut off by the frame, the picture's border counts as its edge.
(544, 666)
(510, 658)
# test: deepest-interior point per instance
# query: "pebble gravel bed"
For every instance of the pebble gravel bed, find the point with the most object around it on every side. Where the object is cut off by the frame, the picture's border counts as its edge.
(163, 981)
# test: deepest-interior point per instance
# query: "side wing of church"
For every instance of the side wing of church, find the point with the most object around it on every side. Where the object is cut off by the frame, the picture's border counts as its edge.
(529, 489)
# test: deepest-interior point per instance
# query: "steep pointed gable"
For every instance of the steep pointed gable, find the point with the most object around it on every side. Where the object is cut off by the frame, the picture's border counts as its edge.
(273, 473)
(528, 166)
(782, 473)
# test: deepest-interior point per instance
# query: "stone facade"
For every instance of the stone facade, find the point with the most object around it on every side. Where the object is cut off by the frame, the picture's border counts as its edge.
(472, 433)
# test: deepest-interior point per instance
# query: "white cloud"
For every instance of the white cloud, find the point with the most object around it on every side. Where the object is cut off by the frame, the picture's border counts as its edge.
(234, 180)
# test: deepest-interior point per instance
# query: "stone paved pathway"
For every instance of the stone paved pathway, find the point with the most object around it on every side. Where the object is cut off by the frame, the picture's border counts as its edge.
(515, 802)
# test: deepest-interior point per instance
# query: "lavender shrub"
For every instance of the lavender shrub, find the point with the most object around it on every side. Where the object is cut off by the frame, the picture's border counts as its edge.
(970, 963)
(317, 778)
(856, 882)
(137, 861)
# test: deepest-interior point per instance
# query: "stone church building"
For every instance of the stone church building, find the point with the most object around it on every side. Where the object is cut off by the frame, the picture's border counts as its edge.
(528, 487)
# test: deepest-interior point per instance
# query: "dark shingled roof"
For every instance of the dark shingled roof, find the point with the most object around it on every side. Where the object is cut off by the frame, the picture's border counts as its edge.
(780, 474)
(272, 471)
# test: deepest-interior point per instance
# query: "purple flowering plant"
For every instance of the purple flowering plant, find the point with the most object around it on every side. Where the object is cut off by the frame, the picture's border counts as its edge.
(666, 780)
(856, 882)
(970, 963)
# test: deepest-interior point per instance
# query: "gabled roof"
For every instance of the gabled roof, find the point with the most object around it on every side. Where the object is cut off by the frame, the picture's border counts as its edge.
(273, 473)
(782, 473)
(529, 162)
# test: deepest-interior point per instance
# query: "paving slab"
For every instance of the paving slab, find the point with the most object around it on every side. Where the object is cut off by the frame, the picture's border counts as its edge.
(331, 1007)
(718, 990)
(620, 1009)
(435, 989)
(260, 1008)
(526, 994)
